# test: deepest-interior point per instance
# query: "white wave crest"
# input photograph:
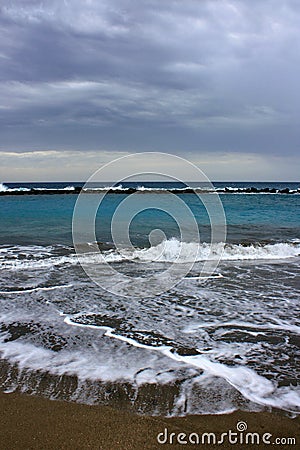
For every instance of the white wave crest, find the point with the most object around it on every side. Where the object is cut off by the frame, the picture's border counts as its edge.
(168, 251)
(3, 188)
(173, 250)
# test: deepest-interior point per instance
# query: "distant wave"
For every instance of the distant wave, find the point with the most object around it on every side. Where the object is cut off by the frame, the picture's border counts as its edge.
(199, 189)
(5, 190)
(25, 190)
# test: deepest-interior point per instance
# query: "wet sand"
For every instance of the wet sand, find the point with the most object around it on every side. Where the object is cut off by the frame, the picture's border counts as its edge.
(36, 423)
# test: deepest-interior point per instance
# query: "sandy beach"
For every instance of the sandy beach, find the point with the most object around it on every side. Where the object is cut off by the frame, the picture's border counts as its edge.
(36, 423)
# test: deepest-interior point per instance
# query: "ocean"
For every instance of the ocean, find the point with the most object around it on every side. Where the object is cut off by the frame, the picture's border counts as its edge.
(207, 344)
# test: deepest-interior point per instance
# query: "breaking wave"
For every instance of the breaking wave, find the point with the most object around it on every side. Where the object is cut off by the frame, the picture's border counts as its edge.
(173, 250)
(168, 251)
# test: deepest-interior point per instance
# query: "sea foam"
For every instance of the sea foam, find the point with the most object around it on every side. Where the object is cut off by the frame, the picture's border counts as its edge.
(168, 251)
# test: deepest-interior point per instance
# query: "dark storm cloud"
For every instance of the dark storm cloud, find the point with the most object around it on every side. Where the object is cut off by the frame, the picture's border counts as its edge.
(150, 75)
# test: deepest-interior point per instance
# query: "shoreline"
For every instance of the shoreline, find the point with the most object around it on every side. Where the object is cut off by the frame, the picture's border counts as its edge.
(29, 422)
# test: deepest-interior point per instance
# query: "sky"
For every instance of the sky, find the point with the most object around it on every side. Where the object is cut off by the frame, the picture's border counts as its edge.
(83, 82)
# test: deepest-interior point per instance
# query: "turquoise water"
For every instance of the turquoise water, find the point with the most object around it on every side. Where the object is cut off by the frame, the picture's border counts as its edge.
(47, 219)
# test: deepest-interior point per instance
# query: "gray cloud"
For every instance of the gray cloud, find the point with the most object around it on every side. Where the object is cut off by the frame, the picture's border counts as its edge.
(192, 76)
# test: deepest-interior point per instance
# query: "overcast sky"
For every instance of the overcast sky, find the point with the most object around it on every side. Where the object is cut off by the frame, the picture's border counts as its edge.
(85, 81)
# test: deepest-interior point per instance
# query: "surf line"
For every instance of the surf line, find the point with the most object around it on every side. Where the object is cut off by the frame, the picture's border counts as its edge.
(251, 385)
